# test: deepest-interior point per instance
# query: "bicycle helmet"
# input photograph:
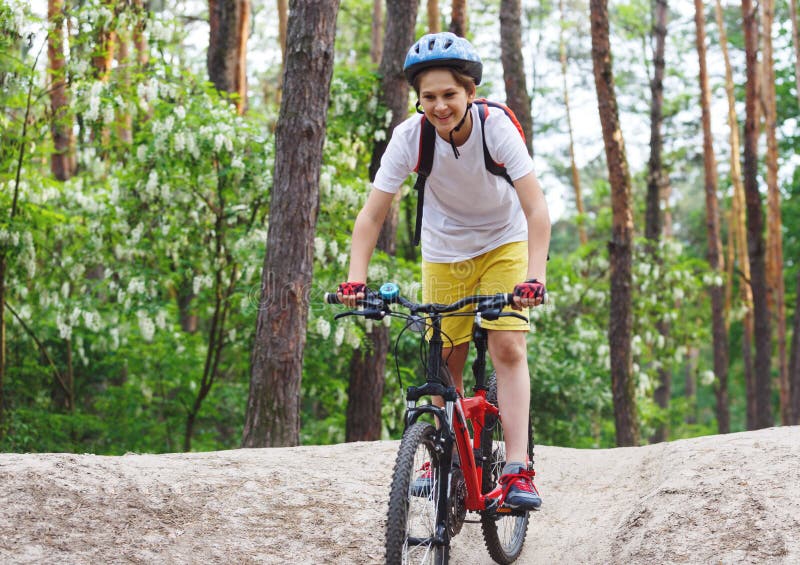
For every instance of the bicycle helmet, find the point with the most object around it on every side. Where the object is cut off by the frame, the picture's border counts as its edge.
(443, 49)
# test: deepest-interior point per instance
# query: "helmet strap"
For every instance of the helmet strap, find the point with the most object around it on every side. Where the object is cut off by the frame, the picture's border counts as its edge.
(456, 130)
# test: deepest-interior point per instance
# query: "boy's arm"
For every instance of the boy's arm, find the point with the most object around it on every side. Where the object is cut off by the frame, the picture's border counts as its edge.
(534, 206)
(366, 231)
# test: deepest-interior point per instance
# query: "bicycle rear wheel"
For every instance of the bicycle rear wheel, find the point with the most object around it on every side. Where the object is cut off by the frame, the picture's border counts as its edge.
(503, 533)
(416, 484)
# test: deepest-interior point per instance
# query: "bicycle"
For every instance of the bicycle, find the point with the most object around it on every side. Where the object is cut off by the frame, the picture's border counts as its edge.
(430, 496)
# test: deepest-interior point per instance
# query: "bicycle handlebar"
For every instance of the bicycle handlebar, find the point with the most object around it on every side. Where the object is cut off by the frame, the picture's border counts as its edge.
(376, 304)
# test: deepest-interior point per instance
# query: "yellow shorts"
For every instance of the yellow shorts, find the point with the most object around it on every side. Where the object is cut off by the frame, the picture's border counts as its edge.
(495, 271)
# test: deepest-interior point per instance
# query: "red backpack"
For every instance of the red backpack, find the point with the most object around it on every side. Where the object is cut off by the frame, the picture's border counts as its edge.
(427, 143)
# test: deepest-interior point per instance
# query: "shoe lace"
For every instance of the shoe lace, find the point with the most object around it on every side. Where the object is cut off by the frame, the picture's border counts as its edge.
(523, 480)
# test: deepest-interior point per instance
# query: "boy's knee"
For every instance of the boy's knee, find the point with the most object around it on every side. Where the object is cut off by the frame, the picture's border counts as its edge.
(508, 348)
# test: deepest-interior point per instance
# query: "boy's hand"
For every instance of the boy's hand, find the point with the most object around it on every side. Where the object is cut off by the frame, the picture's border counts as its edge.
(351, 291)
(529, 293)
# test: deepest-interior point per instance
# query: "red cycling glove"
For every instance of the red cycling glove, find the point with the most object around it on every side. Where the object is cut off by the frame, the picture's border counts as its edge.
(352, 288)
(531, 288)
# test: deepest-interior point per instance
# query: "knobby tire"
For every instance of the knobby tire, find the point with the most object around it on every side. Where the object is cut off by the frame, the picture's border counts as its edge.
(412, 515)
(504, 534)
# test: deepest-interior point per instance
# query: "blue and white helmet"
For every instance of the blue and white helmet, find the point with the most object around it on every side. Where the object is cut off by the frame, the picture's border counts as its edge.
(443, 49)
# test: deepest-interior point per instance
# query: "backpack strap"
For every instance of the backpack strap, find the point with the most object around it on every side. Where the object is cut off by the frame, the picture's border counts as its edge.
(427, 143)
(491, 165)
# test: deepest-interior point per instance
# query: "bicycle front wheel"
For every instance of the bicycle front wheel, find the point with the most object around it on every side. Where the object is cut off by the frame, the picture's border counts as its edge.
(503, 533)
(416, 484)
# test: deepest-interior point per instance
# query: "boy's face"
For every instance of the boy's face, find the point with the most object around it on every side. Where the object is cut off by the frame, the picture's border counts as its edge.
(443, 99)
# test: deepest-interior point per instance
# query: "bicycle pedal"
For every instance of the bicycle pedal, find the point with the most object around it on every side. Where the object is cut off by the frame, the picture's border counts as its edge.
(491, 505)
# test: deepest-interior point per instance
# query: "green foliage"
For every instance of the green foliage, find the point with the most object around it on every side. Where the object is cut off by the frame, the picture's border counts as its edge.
(130, 276)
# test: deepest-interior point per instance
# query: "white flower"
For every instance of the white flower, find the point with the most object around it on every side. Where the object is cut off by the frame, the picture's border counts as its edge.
(64, 329)
(323, 328)
(319, 249)
(179, 141)
(707, 378)
(136, 233)
(353, 339)
(80, 66)
(92, 321)
(135, 286)
(94, 101)
(338, 335)
(108, 114)
(151, 90)
(325, 182)
(146, 325)
(114, 334)
(161, 319)
(152, 183)
(200, 282)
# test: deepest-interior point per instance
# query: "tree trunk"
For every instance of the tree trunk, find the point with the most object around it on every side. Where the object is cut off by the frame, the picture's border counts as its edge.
(796, 44)
(738, 227)
(656, 180)
(434, 25)
(458, 21)
(576, 177)
(774, 257)
(376, 47)
(124, 119)
(690, 385)
(62, 160)
(3, 349)
(655, 169)
(365, 392)
(229, 23)
(368, 365)
(715, 257)
(103, 54)
(794, 364)
(620, 246)
(139, 37)
(283, 15)
(273, 407)
(755, 225)
(517, 96)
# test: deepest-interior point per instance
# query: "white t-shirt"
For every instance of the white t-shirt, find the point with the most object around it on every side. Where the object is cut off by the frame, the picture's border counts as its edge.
(467, 210)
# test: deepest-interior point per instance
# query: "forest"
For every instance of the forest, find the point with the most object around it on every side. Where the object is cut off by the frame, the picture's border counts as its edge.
(179, 181)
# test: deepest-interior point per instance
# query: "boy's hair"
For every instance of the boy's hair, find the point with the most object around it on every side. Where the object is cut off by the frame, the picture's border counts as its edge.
(462, 79)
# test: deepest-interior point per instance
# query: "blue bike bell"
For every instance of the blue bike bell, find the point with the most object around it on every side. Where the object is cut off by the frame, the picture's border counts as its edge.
(389, 291)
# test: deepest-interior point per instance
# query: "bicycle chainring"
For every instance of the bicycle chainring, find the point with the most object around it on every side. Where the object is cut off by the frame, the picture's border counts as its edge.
(457, 502)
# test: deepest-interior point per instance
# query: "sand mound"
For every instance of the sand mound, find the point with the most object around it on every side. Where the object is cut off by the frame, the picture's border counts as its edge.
(717, 499)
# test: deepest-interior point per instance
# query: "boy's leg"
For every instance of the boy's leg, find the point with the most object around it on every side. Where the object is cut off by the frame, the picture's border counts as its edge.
(456, 359)
(509, 356)
(513, 394)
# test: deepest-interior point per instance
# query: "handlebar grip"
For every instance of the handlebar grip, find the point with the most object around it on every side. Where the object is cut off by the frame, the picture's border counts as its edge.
(332, 298)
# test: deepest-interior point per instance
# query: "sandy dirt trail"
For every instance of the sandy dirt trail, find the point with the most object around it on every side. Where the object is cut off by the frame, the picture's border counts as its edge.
(729, 499)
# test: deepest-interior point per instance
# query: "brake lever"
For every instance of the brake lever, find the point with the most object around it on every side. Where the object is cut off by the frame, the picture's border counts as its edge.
(513, 315)
(370, 314)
